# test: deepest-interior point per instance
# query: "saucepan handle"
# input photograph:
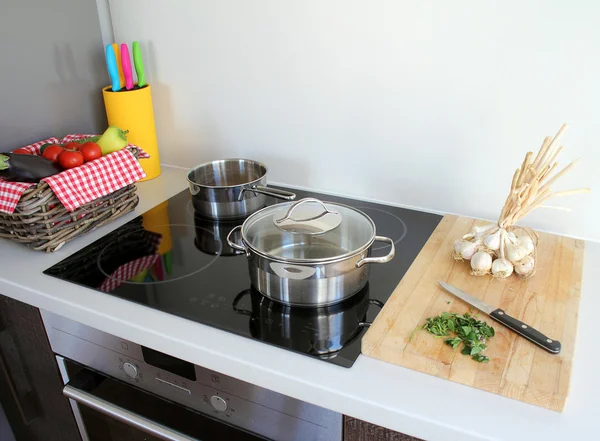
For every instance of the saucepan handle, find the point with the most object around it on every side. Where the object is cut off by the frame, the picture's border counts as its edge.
(268, 191)
(234, 245)
(382, 259)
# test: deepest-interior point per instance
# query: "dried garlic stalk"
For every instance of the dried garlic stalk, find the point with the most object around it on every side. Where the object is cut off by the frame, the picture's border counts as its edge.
(503, 248)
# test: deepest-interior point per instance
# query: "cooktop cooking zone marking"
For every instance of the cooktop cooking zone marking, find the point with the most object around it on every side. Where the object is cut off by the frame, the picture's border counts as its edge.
(396, 232)
(126, 273)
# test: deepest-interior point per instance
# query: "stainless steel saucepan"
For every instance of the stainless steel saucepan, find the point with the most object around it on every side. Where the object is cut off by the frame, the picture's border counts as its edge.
(231, 188)
(309, 253)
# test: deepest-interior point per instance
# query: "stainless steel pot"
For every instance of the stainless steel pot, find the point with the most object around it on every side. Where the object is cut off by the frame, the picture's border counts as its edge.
(309, 253)
(231, 188)
(321, 331)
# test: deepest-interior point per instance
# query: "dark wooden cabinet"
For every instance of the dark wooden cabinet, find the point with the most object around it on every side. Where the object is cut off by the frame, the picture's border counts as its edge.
(30, 384)
(357, 430)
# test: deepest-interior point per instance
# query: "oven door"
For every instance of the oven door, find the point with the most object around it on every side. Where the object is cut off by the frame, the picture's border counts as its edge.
(110, 410)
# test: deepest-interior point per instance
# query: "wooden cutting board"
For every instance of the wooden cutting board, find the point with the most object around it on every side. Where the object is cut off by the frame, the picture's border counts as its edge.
(548, 301)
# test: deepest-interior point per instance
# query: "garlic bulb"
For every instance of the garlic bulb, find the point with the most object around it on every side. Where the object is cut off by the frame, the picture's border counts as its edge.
(502, 268)
(495, 250)
(469, 249)
(526, 242)
(525, 267)
(478, 231)
(484, 229)
(515, 251)
(492, 241)
(481, 262)
(464, 249)
(458, 246)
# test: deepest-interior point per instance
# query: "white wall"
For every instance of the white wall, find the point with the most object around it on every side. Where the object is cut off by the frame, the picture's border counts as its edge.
(427, 103)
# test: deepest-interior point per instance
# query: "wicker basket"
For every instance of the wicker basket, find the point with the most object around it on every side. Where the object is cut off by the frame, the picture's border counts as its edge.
(41, 221)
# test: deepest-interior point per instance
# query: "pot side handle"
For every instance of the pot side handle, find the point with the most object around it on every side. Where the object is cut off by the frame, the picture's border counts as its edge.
(382, 259)
(234, 245)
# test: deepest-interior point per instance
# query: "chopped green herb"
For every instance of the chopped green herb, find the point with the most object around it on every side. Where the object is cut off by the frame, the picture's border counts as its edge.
(412, 334)
(454, 342)
(451, 325)
(476, 349)
(472, 333)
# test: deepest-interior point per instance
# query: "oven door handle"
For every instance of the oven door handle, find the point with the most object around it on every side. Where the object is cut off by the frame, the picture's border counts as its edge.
(123, 415)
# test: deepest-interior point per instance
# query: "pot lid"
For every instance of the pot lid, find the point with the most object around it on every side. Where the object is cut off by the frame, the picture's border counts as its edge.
(308, 230)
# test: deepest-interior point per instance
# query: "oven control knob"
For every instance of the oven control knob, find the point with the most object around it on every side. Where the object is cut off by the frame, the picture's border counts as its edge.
(218, 403)
(130, 369)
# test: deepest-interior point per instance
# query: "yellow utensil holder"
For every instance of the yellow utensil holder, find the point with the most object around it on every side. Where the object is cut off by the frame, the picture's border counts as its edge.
(132, 110)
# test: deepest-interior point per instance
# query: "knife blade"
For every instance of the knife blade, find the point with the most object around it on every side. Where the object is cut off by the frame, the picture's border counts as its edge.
(517, 326)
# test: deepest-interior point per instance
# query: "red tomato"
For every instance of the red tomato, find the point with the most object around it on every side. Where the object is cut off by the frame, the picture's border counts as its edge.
(53, 152)
(22, 151)
(90, 151)
(72, 145)
(70, 159)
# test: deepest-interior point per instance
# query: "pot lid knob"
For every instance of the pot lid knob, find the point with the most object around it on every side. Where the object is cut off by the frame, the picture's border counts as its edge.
(308, 220)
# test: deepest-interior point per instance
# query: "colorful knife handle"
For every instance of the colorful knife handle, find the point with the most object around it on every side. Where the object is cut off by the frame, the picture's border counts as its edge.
(139, 64)
(126, 60)
(119, 65)
(113, 70)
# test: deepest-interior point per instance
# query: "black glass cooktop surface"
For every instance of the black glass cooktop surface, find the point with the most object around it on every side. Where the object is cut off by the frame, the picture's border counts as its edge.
(174, 261)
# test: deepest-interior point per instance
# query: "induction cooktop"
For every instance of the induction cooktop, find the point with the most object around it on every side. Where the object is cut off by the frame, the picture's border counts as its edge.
(175, 261)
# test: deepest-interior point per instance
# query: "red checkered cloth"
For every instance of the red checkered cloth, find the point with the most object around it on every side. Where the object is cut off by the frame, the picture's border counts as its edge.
(81, 185)
(126, 271)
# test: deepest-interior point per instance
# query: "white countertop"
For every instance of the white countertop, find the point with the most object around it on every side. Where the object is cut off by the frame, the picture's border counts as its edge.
(401, 399)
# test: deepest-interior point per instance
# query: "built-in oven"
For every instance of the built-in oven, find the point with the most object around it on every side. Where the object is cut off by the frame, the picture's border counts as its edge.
(110, 410)
(122, 391)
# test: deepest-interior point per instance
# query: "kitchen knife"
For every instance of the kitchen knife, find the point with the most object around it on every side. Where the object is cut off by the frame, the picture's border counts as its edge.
(524, 330)
(139, 64)
(113, 71)
(119, 65)
(126, 60)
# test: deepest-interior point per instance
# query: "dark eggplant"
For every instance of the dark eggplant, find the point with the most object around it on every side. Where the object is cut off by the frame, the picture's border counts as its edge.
(26, 168)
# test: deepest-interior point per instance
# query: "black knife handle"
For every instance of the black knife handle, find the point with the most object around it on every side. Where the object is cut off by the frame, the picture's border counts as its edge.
(531, 334)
